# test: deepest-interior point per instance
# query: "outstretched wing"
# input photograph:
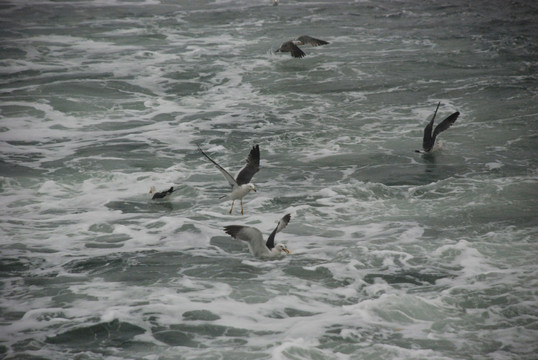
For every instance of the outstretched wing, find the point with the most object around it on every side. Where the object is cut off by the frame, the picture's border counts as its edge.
(305, 39)
(295, 51)
(245, 233)
(428, 140)
(280, 226)
(252, 167)
(226, 174)
(445, 124)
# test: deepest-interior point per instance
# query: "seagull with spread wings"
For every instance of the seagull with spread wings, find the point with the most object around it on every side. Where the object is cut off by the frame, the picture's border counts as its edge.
(292, 47)
(241, 185)
(254, 238)
(429, 137)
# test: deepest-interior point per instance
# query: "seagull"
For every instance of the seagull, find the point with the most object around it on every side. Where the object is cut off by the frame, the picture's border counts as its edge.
(254, 238)
(292, 47)
(429, 137)
(161, 194)
(241, 185)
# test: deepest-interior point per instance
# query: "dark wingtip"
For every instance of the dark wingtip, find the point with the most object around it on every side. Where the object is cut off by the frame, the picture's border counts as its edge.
(232, 230)
(287, 217)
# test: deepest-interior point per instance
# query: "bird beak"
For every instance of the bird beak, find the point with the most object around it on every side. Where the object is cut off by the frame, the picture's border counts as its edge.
(286, 251)
(254, 189)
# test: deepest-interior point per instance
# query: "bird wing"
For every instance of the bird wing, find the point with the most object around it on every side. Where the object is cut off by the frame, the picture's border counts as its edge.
(305, 39)
(295, 51)
(445, 124)
(428, 140)
(226, 174)
(245, 233)
(282, 223)
(252, 167)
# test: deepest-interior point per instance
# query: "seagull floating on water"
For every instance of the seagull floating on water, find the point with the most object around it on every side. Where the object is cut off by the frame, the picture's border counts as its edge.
(254, 238)
(429, 136)
(241, 185)
(292, 47)
(161, 194)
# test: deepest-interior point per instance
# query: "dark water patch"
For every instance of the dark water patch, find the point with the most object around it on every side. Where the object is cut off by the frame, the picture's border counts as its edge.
(200, 315)
(111, 149)
(94, 264)
(231, 270)
(107, 241)
(229, 244)
(134, 207)
(110, 239)
(196, 336)
(404, 278)
(23, 349)
(121, 125)
(13, 167)
(320, 274)
(114, 334)
(152, 267)
(125, 267)
(11, 266)
(291, 312)
(10, 316)
(281, 202)
(184, 88)
(211, 330)
(411, 174)
(176, 338)
(101, 228)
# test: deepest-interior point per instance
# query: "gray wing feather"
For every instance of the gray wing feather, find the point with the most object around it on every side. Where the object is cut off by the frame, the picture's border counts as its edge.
(445, 124)
(305, 39)
(252, 167)
(295, 51)
(226, 174)
(428, 141)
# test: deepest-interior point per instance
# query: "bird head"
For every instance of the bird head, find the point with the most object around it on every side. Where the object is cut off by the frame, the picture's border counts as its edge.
(281, 247)
(252, 187)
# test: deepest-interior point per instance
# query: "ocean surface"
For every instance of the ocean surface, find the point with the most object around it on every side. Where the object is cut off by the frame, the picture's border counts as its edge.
(396, 254)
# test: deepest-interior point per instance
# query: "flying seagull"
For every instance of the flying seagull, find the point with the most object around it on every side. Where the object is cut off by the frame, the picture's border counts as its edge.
(160, 194)
(254, 238)
(429, 137)
(292, 47)
(241, 185)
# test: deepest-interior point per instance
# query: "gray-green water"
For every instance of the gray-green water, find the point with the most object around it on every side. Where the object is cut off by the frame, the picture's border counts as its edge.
(396, 255)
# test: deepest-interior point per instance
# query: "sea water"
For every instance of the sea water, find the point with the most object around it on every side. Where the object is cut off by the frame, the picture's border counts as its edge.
(396, 254)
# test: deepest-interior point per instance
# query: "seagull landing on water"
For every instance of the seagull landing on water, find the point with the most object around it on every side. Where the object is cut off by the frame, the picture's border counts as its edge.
(241, 185)
(429, 137)
(160, 194)
(292, 47)
(254, 238)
